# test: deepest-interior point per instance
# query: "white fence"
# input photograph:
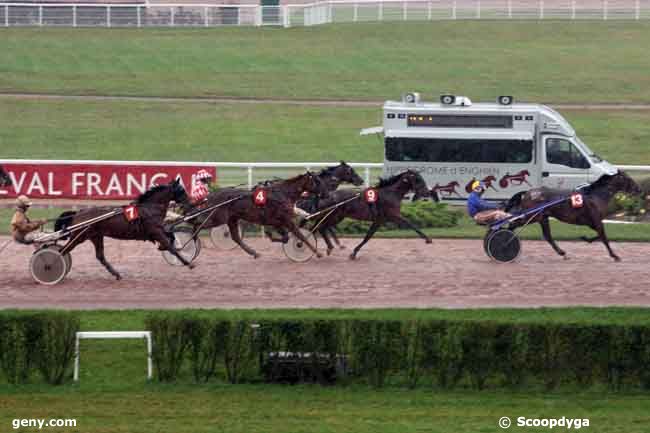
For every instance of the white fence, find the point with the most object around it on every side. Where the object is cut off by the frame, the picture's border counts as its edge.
(211, 15)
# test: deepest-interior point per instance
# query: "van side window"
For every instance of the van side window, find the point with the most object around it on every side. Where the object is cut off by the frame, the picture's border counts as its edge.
(563, 152)
(458, 150)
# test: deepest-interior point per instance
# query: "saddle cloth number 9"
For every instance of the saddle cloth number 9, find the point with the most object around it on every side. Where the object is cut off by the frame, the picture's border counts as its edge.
(577, 200)
(130, 212)
(259, 197)
(371, 195)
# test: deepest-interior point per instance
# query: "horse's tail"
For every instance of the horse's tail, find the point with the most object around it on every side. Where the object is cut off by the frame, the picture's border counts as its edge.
(515, 201)
(64, 220)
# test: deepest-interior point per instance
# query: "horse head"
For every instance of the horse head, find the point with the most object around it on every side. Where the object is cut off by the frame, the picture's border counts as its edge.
(347, 174)
(5, 180)
(163, 194)
(417, 184)
(313, 184)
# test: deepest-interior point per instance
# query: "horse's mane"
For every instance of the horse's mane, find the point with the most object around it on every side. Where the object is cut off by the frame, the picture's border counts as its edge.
(383, 182)
(151, 191)
(327, 170)
(602, 181)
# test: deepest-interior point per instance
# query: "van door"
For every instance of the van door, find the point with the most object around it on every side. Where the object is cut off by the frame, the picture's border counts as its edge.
(564, 166)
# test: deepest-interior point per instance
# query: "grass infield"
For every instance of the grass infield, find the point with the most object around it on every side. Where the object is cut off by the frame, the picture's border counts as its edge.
(557, 61)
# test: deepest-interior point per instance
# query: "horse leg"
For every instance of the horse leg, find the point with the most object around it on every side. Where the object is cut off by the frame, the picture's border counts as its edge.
(338, 243)
(284, 236)
(234, 234)
(98, 242)
(589, 240)
(371, 231)
(293, 228)
(167, 244)
(325, 232)
(546, 232)
(401, 220)
(600, 229)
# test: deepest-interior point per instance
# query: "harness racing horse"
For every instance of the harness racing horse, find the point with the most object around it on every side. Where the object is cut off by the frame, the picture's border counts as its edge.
(266, 205)
(388, 196)
(5, 180)
(332, 177)
(591, 211)
(146, 224)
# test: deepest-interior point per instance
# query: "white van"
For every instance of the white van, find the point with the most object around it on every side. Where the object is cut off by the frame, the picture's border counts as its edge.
(511, 147)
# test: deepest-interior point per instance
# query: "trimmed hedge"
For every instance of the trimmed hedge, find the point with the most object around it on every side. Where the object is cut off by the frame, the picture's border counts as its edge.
(448, 354)
(37, 343)
(423, 214)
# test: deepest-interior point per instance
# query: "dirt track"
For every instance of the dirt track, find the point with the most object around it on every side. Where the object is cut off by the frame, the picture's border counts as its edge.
(389, 273)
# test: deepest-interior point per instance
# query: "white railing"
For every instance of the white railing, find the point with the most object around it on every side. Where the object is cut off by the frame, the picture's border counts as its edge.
(211, 15)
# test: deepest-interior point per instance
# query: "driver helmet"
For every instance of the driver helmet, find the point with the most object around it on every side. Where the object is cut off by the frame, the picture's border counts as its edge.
(203, 175)
(478, 186)
(23, 201)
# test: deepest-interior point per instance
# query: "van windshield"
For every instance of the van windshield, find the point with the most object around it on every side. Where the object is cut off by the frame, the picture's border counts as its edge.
(459, 150)
(592, 156)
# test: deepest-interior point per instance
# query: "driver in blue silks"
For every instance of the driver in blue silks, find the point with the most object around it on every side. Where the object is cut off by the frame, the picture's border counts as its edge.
(482, 211)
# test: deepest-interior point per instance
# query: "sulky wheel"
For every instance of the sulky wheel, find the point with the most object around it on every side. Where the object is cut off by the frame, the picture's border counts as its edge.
(503, 245)
(187, 246)
(48, 266)
(67, 257)
(297, 250)
(486, 239)
(221, 238)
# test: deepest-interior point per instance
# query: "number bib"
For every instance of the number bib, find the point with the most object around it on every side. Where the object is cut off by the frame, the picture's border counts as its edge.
(577, 200)
(259, 197)
(130, 212)
(371, 195)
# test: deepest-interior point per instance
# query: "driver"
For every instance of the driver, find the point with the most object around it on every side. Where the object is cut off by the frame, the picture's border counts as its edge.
(200, 187)
(482, 211)
(22, 229)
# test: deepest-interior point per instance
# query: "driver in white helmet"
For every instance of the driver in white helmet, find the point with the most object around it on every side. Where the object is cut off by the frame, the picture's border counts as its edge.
(22, 229)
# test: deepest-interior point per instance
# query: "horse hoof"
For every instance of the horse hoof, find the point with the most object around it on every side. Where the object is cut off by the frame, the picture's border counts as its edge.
(353, 256)
(191, 265)
(118, 277)
(329, 251)
(565, 257)
(319, 255)
(429, 241)
(617, 258)
(257, 255)
(342, 247)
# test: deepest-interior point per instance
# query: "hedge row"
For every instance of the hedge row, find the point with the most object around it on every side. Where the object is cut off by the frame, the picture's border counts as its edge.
(37, 344)
(423, 214)
(442, 353)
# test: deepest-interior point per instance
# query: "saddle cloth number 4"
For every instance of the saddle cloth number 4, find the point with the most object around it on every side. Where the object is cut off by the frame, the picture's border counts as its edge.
(577, 200)
(371, 195)
(259, 197)
(131, 212)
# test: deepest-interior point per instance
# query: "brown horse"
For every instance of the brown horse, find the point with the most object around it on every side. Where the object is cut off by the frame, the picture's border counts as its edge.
(5, 180)
(146, 214)
(267, 205)
(388, 196)
(588, 210)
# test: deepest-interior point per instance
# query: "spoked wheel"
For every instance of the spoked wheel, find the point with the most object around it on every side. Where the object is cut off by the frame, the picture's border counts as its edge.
(503, 245)
(296, 250)
(222, 239)
(67, 257)
(187, 246)
(48, 266)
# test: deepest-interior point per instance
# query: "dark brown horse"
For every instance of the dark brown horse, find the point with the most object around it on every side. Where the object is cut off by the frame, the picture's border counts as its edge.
(146, 215)
(267, 205)
(5, 180)
(587, 210)
(386, 200)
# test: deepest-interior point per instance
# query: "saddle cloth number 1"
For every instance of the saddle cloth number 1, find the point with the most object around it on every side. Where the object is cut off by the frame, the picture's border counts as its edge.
(131, 212)
(259, 197)
(371, 195)
(576, 200)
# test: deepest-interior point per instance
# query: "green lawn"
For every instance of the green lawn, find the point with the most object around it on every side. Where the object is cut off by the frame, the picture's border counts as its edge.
(113, 395)
(128, 130)
(548, 61)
